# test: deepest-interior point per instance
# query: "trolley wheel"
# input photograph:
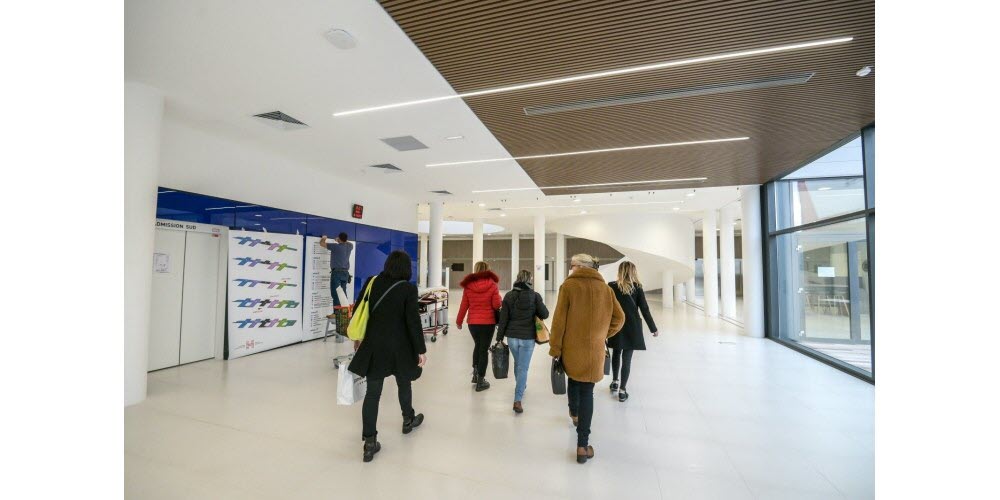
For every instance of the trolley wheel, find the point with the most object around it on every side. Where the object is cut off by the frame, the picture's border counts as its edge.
(434, 338)
(445, 331)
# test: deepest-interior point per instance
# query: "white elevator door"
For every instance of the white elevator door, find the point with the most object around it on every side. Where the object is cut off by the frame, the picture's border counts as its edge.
(165, 308)
(199, 320)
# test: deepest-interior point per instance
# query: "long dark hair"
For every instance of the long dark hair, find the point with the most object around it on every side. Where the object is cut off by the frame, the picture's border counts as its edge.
(398, 266)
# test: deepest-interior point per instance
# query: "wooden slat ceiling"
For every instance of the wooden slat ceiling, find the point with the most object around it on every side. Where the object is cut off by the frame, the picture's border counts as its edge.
(481, 44)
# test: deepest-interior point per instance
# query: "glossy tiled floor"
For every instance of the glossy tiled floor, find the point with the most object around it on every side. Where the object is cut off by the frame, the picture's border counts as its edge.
(712, 414)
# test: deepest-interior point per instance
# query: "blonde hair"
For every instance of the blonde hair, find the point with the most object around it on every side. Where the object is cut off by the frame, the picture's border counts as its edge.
(582, 259)
(480, 267)
(628, 278)
(524, 276)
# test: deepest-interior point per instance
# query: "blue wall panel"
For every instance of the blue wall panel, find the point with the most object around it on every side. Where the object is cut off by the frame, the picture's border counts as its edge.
(373, 244)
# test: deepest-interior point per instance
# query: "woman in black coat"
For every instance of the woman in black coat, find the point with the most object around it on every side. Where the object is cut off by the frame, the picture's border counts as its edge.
(393, 345)
(520, 307)
(628, 291)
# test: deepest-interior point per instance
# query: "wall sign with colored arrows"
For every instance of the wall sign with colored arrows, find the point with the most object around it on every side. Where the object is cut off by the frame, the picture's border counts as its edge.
(265, 291)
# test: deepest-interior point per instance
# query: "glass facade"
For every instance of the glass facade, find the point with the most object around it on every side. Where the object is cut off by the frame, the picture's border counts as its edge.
(820, 239)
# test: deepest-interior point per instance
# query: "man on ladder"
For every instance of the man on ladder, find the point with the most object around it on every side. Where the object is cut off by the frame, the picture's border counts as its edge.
(340, 265)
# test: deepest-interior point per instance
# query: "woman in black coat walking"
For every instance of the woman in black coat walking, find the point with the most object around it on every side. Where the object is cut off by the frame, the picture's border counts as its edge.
(520, 307)
(628, 291)
(393, 345)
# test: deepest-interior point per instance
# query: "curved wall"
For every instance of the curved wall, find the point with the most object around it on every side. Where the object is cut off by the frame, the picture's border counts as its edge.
(655, 242)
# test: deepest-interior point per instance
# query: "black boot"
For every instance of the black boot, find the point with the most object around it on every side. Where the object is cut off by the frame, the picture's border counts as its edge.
(413, 423)
(482, 384)
(372, 447)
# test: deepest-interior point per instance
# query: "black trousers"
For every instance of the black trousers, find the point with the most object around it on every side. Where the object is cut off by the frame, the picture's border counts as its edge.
(369, 409)
(581, 405)
(481, 335)
(621, 359)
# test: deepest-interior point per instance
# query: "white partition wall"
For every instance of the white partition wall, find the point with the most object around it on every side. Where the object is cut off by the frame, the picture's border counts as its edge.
(188, 293)
(167, 294)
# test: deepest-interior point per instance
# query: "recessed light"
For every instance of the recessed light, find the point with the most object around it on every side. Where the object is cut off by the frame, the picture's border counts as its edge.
(615, 72)
(482, 204)
(864, 71)
(576, 200)
(503, 215)
(340, 39)
(824, 188)
(582, 212)
(691, 194)
(676, 208)
(590, 151)
(454, 137)
(594, 205)
(658, 181)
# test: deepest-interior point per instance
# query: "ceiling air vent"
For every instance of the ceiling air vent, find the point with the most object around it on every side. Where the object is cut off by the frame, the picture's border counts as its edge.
(387, 168)
(494, 209)
(280, 120)
(442, 192)
(662, 95)
(404, 143)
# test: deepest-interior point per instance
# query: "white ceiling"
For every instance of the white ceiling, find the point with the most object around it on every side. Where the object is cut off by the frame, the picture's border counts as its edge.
(219, 62)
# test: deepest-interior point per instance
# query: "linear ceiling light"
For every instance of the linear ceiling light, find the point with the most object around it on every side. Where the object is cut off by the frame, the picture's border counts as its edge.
(591, 151)
(657, 181)
(596, 205)
(600, 74)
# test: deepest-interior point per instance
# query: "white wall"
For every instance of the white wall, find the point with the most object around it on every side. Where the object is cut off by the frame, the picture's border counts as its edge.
(202, 162)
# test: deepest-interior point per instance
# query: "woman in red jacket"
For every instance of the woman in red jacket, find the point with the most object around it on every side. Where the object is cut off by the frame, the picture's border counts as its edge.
(481, 300)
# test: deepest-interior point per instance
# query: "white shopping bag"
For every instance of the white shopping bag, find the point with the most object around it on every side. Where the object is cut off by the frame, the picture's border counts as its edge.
(350, 387)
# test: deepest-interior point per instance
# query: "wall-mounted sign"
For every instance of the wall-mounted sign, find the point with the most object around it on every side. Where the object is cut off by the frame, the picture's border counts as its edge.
(188, 226)
(826, 272)
(357, 211)
(161, 262)
(265, 291)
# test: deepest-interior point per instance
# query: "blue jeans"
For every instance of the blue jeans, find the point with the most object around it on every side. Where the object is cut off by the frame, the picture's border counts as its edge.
(338, 279)
(521, 349)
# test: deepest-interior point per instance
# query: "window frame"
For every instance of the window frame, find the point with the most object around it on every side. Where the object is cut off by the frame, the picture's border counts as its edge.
(769, 209)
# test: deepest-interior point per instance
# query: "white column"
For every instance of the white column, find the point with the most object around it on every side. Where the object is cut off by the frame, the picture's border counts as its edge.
(436, 243)
(559, 273)
(753, 263)
(422, 262)
(679, 292)
(668, 289)
(689, 290)
(477, 240)
(515, 256)
(727, 261)
(540, 254)
(709, 248)
(143, 121)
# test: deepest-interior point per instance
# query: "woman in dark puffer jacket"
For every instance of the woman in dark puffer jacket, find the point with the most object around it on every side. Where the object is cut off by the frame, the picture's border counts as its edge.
(481, 300)
(517, 322)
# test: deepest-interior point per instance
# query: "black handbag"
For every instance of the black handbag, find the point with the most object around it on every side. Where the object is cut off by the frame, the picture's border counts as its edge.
(607, 360)
(501, 360)
(558, 377)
